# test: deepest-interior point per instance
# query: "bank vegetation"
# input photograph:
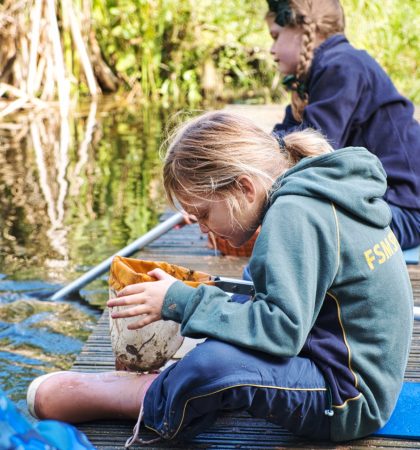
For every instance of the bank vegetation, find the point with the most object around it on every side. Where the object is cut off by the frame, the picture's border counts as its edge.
(174, 51)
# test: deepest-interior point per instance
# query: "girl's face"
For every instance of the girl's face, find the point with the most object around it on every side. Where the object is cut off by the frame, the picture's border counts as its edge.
(286, 46)
(213, 215)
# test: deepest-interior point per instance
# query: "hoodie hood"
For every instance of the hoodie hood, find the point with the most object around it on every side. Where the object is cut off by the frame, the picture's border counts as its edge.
(351, 178)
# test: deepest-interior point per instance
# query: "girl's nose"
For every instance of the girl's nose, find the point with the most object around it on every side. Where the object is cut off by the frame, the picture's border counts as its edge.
(204, 228)
(272, 49)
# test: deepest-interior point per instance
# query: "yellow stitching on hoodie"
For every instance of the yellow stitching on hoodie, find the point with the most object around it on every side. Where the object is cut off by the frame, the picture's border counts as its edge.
(343, 405)
(338, 236)
(345, 339)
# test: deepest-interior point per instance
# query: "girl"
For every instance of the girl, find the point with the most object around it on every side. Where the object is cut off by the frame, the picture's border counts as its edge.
(322, 347)
(344, 93)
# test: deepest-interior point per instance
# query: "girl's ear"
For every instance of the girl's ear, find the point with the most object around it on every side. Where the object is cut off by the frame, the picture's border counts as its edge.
(247, 187)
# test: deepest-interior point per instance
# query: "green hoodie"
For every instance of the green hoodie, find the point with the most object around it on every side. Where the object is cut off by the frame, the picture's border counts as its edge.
(331, 285)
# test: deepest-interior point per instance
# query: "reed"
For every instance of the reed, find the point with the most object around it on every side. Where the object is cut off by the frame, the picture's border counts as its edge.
(44, 54)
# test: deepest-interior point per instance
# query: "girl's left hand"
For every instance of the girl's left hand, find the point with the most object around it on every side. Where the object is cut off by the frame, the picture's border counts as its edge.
(148, 298)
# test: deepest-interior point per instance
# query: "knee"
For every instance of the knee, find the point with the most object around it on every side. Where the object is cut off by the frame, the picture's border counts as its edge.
(39, 404)
(43, 406)
(45, 392)
(210, 361)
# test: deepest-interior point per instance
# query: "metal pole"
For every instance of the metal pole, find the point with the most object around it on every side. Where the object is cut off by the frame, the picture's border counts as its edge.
(417, 313)
(138, 244)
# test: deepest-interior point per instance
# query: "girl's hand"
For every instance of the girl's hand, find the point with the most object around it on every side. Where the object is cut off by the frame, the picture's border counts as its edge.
(189, 219)
(148, 298)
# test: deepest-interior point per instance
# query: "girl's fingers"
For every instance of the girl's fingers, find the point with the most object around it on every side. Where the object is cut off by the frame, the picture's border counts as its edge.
(142, 323)
(159, 274)
(130, 312)
(189, 218)
(121, 301)
(131, 289)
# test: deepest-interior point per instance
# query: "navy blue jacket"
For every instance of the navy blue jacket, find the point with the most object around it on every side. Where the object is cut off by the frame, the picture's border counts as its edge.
(354, 103)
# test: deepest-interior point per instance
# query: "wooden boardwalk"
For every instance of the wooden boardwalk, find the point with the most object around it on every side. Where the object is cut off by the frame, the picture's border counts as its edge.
(188, 247)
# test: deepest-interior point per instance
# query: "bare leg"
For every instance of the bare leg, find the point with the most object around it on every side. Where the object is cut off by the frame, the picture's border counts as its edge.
(80, 397)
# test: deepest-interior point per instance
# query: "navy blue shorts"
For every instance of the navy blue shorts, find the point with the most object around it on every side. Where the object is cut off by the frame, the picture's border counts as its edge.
(406, 226)
(217, 377)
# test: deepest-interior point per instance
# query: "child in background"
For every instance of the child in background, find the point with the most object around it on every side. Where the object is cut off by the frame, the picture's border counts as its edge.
(345, 94)
(322, 347)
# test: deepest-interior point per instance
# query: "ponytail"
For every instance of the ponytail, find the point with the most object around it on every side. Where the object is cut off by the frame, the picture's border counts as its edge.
(302, 144)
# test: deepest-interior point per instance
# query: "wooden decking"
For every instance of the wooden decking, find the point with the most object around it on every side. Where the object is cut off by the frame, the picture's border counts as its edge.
(188, 247)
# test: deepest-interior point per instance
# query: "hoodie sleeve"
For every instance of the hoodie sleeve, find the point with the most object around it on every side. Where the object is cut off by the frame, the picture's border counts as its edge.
(293, 264)
(335, 94)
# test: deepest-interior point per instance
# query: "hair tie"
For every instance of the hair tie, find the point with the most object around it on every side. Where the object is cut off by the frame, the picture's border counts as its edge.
(292, 83)
(279, 138)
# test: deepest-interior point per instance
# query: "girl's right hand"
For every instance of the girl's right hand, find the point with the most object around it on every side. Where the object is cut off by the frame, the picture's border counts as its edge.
(146, 300)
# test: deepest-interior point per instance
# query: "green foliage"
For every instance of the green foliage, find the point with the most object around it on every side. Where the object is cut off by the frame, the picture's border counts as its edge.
(180, 49)
(185, 50)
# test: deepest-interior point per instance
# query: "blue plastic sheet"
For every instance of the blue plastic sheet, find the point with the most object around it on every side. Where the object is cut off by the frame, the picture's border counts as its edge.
(405, 420)
(412, 255)
(16, 432)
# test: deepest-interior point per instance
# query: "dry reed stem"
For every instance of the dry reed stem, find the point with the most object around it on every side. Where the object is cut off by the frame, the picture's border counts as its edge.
(13, 107)
(63, 88)
(81, 48)
(33, 52)
(32, 57)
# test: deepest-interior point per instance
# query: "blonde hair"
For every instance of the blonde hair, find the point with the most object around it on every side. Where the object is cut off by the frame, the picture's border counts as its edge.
(206, 156)
(317, 19)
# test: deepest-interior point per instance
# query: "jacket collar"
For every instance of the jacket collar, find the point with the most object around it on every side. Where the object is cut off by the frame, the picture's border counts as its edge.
(330, 42)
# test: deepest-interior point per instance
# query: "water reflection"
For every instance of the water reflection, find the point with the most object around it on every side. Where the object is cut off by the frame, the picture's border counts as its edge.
(74, 188)
(67, 205)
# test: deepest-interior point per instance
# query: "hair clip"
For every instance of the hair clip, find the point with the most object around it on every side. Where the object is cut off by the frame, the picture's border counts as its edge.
(284, 15)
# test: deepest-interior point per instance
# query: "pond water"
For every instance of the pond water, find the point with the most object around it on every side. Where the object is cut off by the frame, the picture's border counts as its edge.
(73, 191)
